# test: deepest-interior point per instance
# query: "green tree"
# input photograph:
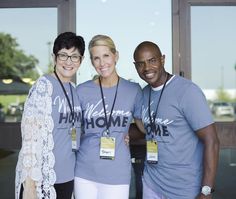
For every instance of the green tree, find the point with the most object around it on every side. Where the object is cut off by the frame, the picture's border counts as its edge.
(222, 95)
(50, 68)
(13, 61)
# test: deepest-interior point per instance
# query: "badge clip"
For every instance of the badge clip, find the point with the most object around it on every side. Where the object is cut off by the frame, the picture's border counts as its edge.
(73, 138)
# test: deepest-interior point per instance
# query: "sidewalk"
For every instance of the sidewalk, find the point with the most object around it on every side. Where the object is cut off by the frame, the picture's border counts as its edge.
(225, 181)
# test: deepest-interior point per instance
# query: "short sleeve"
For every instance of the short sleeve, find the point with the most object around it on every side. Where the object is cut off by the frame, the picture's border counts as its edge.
(195, 108)
(138, 103)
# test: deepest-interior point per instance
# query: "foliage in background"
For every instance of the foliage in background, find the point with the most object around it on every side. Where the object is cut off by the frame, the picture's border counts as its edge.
(13, 61)
(6, 100)
(50, 68)
(222, 95)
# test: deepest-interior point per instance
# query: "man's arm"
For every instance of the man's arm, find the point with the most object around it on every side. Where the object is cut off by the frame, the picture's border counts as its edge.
(210, 141)
(136, 130)
(140, 125)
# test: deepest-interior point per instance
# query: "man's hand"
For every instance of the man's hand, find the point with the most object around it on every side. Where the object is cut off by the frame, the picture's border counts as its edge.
(201, 196)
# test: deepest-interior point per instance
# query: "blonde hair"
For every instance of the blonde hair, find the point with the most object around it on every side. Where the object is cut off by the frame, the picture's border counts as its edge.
(102, 40)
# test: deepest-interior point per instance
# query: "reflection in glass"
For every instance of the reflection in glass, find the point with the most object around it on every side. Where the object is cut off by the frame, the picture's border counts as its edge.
(213, 56)
(28, 34)
(128, 23)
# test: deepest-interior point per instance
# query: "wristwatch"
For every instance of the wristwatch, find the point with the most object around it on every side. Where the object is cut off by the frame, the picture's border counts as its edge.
(206, 190)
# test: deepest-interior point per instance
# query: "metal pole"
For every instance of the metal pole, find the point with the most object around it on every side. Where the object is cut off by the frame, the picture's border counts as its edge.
(49, 54)
(222, 77)
(235, 82)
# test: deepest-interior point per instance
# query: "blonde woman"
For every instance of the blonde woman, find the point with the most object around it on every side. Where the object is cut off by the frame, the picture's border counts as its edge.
(109, 104)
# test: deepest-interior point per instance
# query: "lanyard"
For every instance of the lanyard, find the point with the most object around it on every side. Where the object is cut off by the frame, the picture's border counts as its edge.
(152, 118)
(67, 98)
(104, 107)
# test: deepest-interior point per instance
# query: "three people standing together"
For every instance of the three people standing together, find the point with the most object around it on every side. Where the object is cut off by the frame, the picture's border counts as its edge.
(76, 139)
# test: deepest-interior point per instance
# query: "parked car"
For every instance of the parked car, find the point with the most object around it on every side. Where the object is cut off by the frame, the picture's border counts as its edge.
(15, 109)
(234, 105)
(222, 109)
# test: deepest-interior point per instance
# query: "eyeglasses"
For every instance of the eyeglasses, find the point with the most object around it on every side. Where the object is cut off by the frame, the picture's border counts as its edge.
(153, 61)
(73, 58)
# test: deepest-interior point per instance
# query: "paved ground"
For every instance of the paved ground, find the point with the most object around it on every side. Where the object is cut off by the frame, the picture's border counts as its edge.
(225, 182)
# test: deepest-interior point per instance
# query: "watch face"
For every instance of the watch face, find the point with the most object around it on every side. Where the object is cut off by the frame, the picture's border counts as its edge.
(206, 190)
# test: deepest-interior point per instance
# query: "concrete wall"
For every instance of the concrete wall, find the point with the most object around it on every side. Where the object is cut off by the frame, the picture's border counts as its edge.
(227, 134)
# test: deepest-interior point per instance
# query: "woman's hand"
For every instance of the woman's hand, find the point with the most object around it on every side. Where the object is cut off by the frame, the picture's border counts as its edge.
(126, 138)
(29, 189)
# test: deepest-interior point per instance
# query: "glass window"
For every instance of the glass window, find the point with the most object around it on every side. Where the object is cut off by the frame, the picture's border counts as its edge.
(213, 57)
(128, 23)
(26, 36)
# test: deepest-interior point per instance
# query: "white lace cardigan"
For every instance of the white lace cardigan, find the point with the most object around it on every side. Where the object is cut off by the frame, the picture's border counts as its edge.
(36, 159)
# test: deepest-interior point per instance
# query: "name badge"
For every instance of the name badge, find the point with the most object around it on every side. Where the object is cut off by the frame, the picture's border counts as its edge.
(152, 152)
(107, 148)
(73, 138)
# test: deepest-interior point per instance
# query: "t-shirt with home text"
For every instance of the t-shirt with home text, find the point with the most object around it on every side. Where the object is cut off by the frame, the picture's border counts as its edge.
(62, 118)
(127, 106)
(182, 111)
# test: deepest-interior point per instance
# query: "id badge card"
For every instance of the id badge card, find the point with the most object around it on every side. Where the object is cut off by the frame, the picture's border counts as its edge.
(73, 138)
(152, 152)
(107, 148)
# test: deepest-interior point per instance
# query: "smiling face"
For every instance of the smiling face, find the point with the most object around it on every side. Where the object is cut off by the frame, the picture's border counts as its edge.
(66, 68)
(149, 63)
(104, 61)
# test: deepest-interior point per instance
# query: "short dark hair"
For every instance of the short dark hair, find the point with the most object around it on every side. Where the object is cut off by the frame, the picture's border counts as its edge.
(69, 40)
(147, 44)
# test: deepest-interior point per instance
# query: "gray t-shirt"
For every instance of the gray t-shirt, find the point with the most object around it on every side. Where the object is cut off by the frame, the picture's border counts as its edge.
(128, 105)
(62, 117)
(183, 110)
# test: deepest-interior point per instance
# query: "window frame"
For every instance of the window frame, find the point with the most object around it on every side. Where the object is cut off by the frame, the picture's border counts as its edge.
(10, 134)
(181, 32)
(66, 10)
